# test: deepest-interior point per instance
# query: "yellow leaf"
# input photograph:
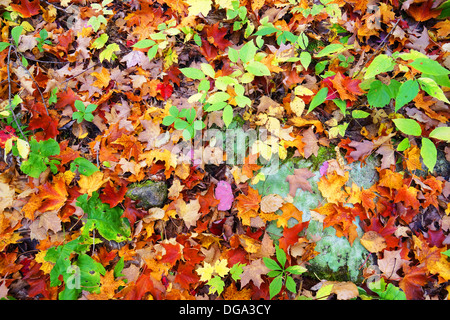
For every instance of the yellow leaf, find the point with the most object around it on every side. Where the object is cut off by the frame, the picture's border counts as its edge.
(220, 267)
(103, 77)
(205, 272)
(373, 241)
(91, 183)
(46, 266)
(24, 148)
(199, 6)
(297, 106)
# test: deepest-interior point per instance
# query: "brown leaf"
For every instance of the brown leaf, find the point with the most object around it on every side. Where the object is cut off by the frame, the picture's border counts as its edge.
(299, 180)
(253, 272)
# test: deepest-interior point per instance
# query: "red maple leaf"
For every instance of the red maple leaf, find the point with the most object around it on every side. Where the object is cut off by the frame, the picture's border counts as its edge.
(67, 97)
(186, 276)
(207, 50)
(27, 8)
(165, 90)
(412, 281)
(173, 253)
(111, 195)
(290, 235)
(216, 36)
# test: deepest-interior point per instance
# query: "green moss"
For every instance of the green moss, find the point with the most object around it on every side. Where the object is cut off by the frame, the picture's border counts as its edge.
(324, 154)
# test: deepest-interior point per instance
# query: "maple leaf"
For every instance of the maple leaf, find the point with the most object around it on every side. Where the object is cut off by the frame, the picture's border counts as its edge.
(232, 293)
(373, 242)
(165, 90)
(92, 183)
(391, 263)
(216, 36)
(253, 272)
(188, 212)
(347, 87)
(423, 12)
(299, 180)
(173, 253)
(289, 211)
(112, 196)
(109, 285)
(248, 205)
(132, 147)
(411, 283)
(185, 276)
(331, 187)
(103, 77)
(290, 235)
(27, 8)
(271, 203)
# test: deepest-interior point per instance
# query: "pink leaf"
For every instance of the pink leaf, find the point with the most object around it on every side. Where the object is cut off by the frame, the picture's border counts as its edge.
(224, 194)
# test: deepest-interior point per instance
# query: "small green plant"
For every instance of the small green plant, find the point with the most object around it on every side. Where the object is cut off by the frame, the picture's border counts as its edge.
(280, 274)
(389, 292)
(84, 112)
(159, 39)
(43, 35)
(84, 166)
(40, 157)
(189, 126)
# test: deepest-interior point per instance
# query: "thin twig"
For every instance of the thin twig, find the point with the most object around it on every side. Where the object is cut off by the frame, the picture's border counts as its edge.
(378, 47)
(34, 81)
(9, 93)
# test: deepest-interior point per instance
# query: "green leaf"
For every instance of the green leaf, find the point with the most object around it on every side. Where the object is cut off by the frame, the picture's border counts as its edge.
(90, 108)
(441, 133)
(180, 124)
(305, 59)
(90, 271)
(406, 93)
(199, 125)
(247, 52)
(78, 115)
(274, 273)
(4, 45)
(324, 291)
(79, 105)
(378, 95)
(119, 267)
(429, 153)
(193, 73)
(38, 157)
(359, 114)
(236, 270)
(151, 53)
(15, 33)
(84, 166)
(330, 49)
(408, 126)
(266, 30)
(275, 286)
(296, 269)
(108, 53)
(318, 99)
(53, 98)
(227, 115)
(108, 221)
(271, 264)
(281, 256)
(431, 87)
(403, 145)
(257, 68)
(390, 292)
(208, 70)
(380, 64)
(100, 41)
(233, 54)
(291, 285)
(216, 285)
(426, 65)
(219, 96)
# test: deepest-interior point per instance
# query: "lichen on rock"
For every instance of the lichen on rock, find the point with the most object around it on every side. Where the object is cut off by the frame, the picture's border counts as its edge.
(148, 194)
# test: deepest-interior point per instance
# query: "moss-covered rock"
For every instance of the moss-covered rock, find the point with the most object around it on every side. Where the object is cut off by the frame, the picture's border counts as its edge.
(149, 194)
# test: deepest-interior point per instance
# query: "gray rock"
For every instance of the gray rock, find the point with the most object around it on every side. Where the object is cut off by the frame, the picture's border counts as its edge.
(149, 194)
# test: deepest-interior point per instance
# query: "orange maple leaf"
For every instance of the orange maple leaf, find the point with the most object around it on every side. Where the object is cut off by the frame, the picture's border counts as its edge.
(331, 187)
(248, 205)
(289, 211)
